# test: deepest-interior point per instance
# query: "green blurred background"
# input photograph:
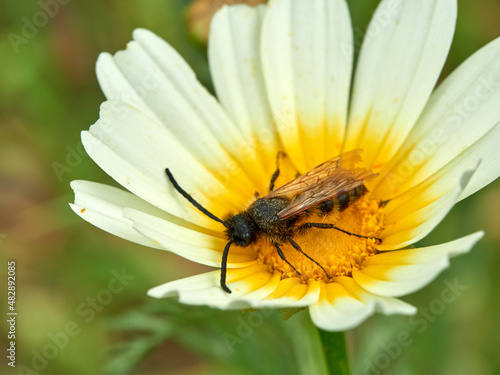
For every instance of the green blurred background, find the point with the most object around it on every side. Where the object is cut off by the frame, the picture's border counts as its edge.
(49, 93)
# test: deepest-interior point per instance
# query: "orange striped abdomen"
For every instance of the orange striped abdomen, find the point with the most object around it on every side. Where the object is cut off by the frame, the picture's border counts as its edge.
(342, 201)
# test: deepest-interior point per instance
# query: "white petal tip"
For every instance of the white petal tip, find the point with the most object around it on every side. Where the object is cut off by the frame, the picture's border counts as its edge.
(75, 184)
(160, 292)
(401, 308)
(141, 33)
(153, 293)
(75, 208)
(103, 58)
(471, 239)
(412, 310)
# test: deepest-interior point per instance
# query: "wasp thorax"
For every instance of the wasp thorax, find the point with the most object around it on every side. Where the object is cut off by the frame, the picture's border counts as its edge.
(264, 211)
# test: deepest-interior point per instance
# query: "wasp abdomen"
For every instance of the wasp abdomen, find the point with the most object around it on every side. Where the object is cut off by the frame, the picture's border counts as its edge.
(343, 201)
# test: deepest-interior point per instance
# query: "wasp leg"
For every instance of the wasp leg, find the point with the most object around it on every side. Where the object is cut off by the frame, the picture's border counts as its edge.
(276, 173)
(282, 256)
(331, 226)
(223, 269)
(297, 247)
(273, 179)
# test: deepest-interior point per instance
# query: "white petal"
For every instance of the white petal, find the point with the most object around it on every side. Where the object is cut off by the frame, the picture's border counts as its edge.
(385, 305)
(402, 55)
(400, 272)
(413, 215)
(151, 76)
(249, 288)
(246, 293)
(135, 150)
(102, 206)
(487, 151)
(189, 243)
(338, 310)
(307, 62)
(461, 120)
(252, 287)
(235, 66)
(206, 284)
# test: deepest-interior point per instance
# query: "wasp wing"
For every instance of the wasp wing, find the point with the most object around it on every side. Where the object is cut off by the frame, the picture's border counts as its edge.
(328, 180)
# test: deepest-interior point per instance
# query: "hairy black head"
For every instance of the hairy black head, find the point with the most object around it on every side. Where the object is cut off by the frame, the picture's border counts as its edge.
(241, 229)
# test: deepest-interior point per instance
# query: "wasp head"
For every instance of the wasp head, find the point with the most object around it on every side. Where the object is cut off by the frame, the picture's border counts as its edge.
(240, 230)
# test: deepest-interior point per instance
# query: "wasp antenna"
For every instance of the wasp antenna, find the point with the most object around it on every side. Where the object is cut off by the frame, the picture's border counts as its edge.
(276, 173)
(192, 200)
(224, 268)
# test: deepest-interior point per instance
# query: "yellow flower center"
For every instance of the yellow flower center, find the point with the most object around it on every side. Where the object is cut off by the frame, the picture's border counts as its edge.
(337, 252)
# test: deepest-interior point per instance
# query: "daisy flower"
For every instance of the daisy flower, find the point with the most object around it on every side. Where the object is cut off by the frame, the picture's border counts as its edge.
(283, 77)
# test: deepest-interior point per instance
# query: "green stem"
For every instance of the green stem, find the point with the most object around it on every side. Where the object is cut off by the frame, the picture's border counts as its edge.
(334, 348)
(307, 345)
(316, 351)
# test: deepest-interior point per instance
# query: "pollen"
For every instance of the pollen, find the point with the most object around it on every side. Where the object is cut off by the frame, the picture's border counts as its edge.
(338, 253)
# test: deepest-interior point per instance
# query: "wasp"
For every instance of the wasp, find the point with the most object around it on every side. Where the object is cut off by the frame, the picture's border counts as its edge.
(278, 217)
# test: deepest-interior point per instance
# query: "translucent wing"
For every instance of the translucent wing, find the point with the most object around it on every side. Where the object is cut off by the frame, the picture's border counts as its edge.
(328, 180)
